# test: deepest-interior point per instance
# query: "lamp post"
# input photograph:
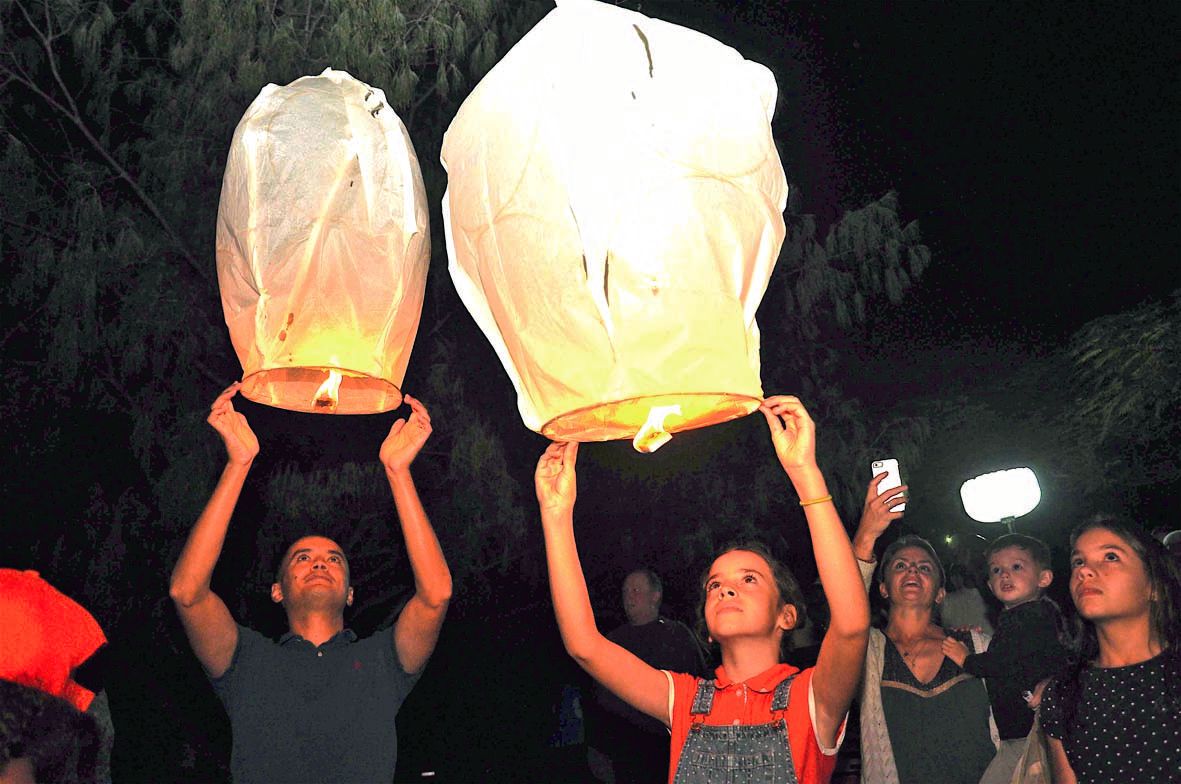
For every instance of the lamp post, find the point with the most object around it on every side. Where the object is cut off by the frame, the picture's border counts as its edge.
(1001, 496)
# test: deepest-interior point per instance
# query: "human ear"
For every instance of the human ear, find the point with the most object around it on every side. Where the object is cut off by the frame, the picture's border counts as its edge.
(276, 593)
(1045, 578)
(940, 595)
(788, 617)
(882, 590)
(348, 600)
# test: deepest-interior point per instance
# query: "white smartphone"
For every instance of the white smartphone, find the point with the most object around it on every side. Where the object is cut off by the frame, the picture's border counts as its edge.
(892, 479)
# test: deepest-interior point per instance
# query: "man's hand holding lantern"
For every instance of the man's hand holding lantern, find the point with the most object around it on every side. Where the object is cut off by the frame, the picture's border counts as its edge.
(406, 438)
(241, 443)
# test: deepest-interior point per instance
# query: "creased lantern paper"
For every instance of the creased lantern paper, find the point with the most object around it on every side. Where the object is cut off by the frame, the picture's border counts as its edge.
(322, 246)
(613, 214)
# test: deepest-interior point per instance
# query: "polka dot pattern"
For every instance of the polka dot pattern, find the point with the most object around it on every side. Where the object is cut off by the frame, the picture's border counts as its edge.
(1127, 725)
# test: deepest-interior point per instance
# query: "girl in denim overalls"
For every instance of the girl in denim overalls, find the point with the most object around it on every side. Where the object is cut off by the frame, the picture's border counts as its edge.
(758, 720)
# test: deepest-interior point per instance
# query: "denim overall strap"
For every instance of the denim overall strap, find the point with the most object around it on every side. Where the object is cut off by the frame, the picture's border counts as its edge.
(736, 754)
(782, 692)
(703, 701)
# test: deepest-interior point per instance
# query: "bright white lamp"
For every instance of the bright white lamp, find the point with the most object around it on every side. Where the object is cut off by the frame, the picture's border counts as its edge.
(1001, 496)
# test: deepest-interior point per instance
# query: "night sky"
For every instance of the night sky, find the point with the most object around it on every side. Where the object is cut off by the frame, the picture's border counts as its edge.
(1035, 143)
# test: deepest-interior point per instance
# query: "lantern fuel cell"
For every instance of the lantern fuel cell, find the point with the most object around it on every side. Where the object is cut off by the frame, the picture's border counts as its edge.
(328, 393)
(323, 245)
(612, 221)
(654, 432)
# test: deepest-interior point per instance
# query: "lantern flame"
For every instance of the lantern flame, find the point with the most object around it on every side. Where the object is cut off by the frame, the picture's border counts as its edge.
(328, 395)
(652, 434)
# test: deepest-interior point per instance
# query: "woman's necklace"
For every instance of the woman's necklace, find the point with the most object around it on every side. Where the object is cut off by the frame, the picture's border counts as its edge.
(911, 650)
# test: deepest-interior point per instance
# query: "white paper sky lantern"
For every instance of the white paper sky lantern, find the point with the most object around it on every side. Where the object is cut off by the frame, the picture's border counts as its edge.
(322, 247)
(613, 214)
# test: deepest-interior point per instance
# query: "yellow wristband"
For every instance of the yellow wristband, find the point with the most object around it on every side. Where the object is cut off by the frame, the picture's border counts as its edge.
(816, 501)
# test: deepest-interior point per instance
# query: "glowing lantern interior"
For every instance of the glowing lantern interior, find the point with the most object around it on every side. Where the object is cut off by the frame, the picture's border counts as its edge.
(322, 247)
(612, 221)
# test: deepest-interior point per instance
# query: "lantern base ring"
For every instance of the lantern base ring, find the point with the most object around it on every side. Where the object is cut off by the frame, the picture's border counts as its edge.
(296, 389)
(620, 419)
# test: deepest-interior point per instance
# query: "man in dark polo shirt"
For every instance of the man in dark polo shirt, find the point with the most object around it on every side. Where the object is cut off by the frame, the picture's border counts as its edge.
(318, 705)
(637, 745)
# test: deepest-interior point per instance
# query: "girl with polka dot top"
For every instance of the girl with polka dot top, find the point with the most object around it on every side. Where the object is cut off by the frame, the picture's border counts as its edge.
(1116, 717)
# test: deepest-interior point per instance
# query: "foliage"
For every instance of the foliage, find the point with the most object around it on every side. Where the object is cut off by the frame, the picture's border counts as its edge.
(116, 121)
(109, 215)
(1094, 419)
(867, 253)
(820, 296)
(1126, 391)
(1128, 370)
(117, 124)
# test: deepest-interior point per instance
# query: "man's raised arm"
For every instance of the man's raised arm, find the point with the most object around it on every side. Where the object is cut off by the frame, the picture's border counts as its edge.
(418, 625)
(210, 628)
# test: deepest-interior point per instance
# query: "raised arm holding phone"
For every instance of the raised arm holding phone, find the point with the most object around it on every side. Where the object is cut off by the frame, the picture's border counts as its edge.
(922, 717)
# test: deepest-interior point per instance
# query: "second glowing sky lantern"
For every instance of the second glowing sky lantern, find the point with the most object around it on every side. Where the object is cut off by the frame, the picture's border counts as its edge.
(613, 214)
(322, 247)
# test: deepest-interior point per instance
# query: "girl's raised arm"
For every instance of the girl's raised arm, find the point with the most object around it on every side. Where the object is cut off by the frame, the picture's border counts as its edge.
(643, 687)
(842, 653)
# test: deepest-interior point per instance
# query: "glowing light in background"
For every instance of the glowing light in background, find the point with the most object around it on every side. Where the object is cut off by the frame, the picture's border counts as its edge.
(1001, 495)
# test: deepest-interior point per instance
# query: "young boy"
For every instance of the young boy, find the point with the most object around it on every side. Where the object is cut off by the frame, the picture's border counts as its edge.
(1025, 649)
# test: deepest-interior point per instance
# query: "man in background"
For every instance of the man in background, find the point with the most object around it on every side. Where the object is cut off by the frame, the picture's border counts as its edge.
(635, 746)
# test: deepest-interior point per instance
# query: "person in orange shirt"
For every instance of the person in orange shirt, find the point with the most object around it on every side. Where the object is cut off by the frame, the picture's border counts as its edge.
(755, 707)
(52, 727)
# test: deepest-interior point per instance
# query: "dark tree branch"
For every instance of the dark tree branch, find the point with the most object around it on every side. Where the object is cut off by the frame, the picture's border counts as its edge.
(42, 233)
(21, 325)
(72, 113)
